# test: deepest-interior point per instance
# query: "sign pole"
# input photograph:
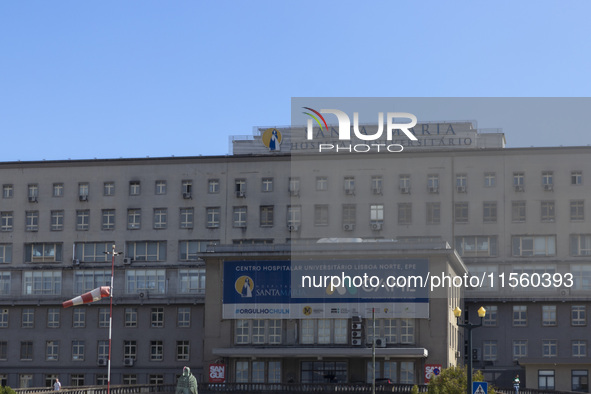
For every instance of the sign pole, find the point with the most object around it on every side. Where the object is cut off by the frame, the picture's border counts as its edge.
(373, 351)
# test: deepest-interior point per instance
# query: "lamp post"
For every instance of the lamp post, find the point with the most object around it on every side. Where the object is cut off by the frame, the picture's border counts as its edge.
(469, 327)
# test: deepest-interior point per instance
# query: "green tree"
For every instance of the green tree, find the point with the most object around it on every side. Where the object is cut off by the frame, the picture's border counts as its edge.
(415, 389)
(6, 390)
(454, 380)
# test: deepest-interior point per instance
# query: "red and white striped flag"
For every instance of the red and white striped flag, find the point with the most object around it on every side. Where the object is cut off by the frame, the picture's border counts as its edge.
(91, 296)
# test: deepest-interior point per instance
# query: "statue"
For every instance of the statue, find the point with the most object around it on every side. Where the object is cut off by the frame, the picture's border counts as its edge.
(187, 383)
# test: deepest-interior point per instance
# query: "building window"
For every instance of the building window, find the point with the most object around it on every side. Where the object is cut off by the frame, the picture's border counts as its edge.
(130, 350)
(266, 216)
(82, 220)
(580, 245)
(130, 317)
(534, 245)
(79, 318)
(461, 183)
(549, 315)
(6, 221)
(134, 188)
(433, 183)
(240, 187)
(192, 281)
(160, 187)
(129, 379)
(519, 348)
(57, 221)
(489, 212)
(349, 185)
(102, 350)
(519, 181)
(549, 347)
(26, 351)
(267, 185)
(490, 319)
(3, 357)
(489, 350)
(241, 331)
(407, 331)
(33, 192)
(582, 275)
(78, 350)
(576, 177)
(490, 179)
(349, 216)
(376, 184)
(83, 190)
(42, 283)
(189, 250)
(548, 213)
(52, 350)
(548, 180)
(578, 315)
(144, 281)
(187, 218)
(43, 253)
(321, 215)
(28, 318)
(294, 215)
(323, 331)
(577, 210)
(213, 186)
(580, 380)
(183, 317)
(103, 315)
(433, 213)
(239, 217)
(323, 371)
(109, 188)
(5, 280)
(294, 186)
(108, 222)
(160, 218)
(5, 255)
(461, 212)
(58, 189)
(579, 348)
(519, 315)
(258, 331)
(157, 317)
(87, 280)
(77, 379)
(32, 221)
(404, 184)
(518, 211)
(134, 219)
(407, 372)
(156, 350)
(404, 213)
(376, 214)
(53, 318)
(321, 183)
(182, 350)
(213, 217)
(7, 191)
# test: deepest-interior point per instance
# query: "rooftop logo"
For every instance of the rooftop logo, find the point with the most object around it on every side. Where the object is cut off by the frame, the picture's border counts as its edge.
(344, 131)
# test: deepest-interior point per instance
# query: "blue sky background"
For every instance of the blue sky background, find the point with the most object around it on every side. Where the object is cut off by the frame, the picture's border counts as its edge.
(105, 79)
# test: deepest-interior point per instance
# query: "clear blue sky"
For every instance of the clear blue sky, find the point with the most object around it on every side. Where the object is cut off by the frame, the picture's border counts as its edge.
(85, 79)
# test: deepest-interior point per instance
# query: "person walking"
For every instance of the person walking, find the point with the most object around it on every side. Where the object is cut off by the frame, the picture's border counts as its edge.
(516, 384)
(57, 385)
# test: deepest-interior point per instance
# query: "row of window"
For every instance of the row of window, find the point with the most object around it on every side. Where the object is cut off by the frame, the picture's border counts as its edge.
(579, 379)
(79, 379)
(578, 316)
(49, 282)
(79, 315)
(322, 331)
(267, 185)
(79, 350)
(520, 348)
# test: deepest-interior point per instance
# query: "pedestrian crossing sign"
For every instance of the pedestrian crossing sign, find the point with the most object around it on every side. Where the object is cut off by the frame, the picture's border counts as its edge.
(479, 388)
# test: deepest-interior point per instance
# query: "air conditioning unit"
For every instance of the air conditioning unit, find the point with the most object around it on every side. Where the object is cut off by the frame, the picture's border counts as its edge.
(187, 196)
(33, 199)
(83, 197)
(355, 334)
(405, 190)
(127, 261)
(241, 225)
(434, 190)
(564, 292)
(380, 342)
(102, 362)
(377, 190)
(293, 227)
(348, 227)
(461, 189)
(76, 262)
(240, 194)
(356, 326)
(356, 342)
(128, 362)
(356, 319)
(519, 188)
(548, 188)
(376, 226)
(350, 191)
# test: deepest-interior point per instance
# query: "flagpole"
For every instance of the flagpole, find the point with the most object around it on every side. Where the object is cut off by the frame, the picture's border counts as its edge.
(113, 254)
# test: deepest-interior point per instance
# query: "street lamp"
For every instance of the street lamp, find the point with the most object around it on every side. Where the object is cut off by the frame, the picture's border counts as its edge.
(469, 327)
